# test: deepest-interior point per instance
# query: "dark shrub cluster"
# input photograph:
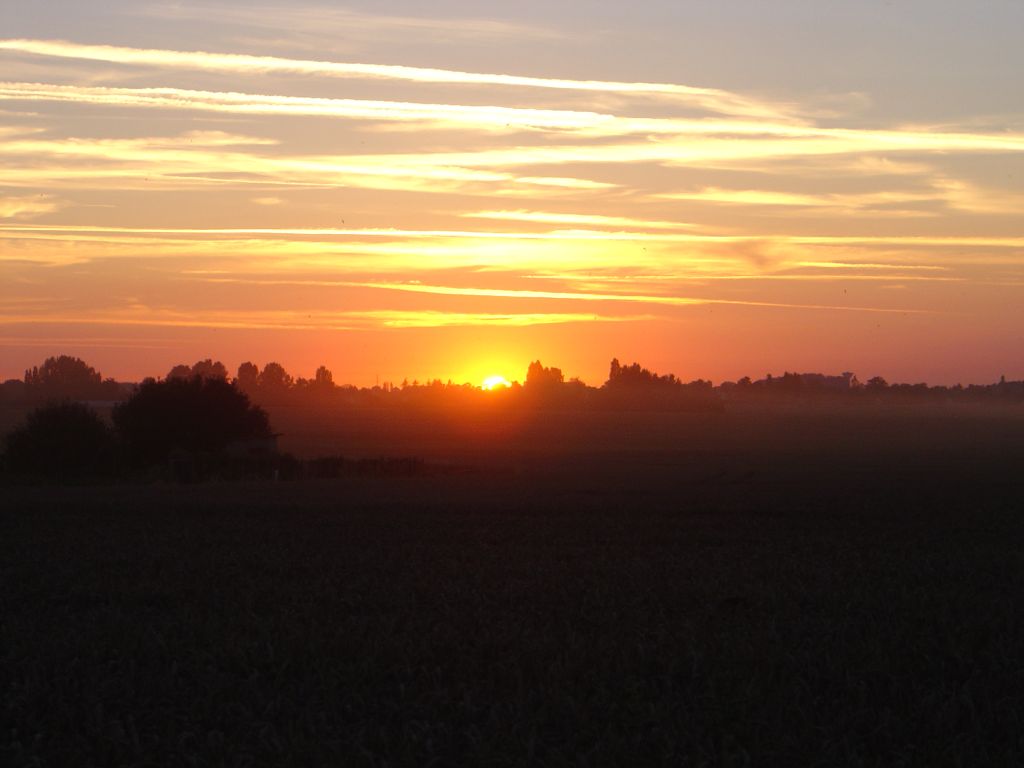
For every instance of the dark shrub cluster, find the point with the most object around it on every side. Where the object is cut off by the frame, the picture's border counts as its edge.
(67, 441)
(197, 417)
(194, 415)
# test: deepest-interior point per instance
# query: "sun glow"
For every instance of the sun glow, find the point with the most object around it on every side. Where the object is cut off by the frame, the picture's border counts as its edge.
(496, 382)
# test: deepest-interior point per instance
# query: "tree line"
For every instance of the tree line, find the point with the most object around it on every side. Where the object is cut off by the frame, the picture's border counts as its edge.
(205, 423)
(69, 378)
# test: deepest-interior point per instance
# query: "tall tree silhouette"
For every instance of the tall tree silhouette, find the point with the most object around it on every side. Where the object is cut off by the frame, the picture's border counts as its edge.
(323, 377)
(248, 377)
(539, 377)
(274, 382)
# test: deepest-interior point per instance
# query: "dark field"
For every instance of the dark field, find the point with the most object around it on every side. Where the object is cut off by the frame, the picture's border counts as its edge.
(777, 588)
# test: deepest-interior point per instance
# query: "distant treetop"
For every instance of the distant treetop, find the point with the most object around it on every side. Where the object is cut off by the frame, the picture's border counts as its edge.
(68, 378)
(633, 375)
(204, 369)
(537, 376)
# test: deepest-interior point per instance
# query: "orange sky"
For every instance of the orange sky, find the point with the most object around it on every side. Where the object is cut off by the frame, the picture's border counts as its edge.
(452, 196)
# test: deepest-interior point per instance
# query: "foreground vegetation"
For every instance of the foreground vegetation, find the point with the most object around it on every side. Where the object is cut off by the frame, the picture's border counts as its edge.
(684, 609)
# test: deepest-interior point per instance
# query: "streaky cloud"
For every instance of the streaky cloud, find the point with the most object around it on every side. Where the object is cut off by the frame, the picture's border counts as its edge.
(269, 104)
(578, 234)
(300, 320)
(715, 100)
(323, 20)
(27, 206)
(512, 293)
(552, 217)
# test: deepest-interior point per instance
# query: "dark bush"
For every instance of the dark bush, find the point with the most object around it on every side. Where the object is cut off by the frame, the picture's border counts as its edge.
(195, 415)
(65, 441)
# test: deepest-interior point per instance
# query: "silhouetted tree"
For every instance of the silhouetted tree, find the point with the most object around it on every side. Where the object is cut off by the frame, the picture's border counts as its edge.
(633, 375)
(180, 372)
(274, 380)
(539, 377)
(876, 384)
(323, 377)
(67, 378)
(187, 414)
(634, 387)
(248, 377)
(204, 369)
(65, 441)
(208, 369)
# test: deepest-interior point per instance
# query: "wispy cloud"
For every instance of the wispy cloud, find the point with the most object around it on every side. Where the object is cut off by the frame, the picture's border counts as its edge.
(940, 193)
(260, 104)
(572, 296)
(27, 206)
(878, 204)
(972, 198)
(152, 316)
(680, 139)
(696, 150)
(577, 219)
(221, 159)
(581, 235)
(437, 319)
(324, 20)
(85, 342)
(711, 99)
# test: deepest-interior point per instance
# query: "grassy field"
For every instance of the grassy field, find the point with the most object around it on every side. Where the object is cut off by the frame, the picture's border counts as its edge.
(758, 598)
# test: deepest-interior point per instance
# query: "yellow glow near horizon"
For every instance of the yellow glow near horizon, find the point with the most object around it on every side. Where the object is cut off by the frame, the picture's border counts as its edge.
(496, 382)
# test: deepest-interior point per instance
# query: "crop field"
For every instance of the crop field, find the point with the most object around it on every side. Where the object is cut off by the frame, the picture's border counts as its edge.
(743, 599)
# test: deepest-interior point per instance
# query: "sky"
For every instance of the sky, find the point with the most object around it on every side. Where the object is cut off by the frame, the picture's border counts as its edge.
(403, 190)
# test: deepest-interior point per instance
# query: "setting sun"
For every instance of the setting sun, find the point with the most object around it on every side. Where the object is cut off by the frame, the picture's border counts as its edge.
(496, 382)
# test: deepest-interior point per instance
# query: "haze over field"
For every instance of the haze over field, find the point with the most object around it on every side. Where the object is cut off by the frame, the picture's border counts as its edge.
(717, 189)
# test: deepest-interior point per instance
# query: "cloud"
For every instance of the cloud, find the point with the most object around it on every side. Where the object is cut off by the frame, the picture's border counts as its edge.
(395, 250)
(679, 139)
(260, 104)
(579, 296)
(210, 158)
(436, 319)
(585, 220)
(139, 314)
(878, 204)
(971, 198)
(562, 182)
(711, 99)
(557, 235)
(27, 207)
(711, 148)
(226, 159)
(323, 21)
(70, 343)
